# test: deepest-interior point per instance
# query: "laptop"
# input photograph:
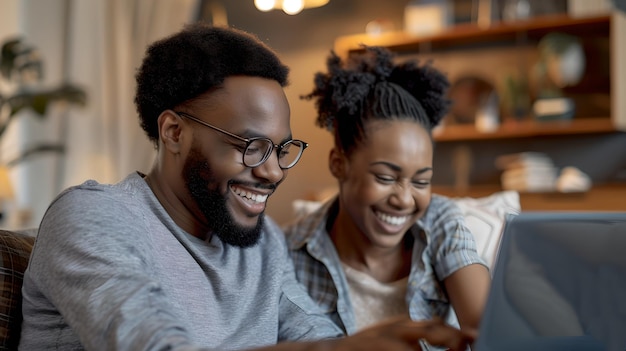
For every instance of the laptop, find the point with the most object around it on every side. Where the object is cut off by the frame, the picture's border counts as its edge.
(559, 283)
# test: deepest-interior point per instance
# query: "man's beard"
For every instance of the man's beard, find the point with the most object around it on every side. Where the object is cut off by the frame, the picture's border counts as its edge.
(198, 176)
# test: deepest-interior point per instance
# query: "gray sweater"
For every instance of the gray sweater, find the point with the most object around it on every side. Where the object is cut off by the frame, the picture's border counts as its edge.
(110, 270)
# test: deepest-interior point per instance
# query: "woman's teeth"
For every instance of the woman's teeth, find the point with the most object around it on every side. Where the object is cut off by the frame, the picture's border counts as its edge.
(393, 220)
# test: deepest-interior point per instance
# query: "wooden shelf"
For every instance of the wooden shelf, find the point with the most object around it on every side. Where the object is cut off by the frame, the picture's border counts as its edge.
(471, 33)
(526, 129)
(601, 197)
(506, 34)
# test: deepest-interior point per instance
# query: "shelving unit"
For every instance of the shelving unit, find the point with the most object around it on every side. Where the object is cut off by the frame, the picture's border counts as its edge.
(526, 129)
(612, 26)
(464, 34)
(603, 197)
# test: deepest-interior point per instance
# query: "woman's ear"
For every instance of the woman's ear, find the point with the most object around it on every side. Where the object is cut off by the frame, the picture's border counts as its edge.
(170, 129)
(336, 163)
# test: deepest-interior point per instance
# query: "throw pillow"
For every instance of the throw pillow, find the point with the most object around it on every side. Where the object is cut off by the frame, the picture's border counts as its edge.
(486, 216)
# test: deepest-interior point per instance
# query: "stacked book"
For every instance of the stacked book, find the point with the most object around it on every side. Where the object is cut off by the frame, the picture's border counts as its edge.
(535, 172)
(527, 172)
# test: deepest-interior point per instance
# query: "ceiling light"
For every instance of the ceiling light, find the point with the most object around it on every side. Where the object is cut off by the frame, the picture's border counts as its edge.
(290, 7)
(264, 5)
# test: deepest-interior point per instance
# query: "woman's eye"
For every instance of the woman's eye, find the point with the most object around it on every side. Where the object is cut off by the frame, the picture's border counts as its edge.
(384, 178)
(421, 183)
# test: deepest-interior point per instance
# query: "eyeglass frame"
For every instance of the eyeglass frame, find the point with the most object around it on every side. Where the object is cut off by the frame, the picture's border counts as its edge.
(249, 141)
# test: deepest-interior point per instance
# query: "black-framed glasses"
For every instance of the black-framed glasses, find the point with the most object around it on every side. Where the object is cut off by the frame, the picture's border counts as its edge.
(259, 149)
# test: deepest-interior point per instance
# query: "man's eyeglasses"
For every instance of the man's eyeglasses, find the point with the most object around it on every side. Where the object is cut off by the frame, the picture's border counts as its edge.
(259, 149)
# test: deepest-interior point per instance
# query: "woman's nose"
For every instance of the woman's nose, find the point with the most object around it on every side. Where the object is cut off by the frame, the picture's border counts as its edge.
(402, 196)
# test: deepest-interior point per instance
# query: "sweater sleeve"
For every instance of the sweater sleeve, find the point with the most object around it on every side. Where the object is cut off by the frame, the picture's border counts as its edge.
(90, 278)
(300, 318)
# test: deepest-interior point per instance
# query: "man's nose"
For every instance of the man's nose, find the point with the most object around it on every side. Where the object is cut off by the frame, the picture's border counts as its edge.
(270, 170)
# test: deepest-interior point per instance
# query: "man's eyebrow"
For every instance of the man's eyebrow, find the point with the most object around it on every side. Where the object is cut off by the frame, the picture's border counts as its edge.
(398, 168)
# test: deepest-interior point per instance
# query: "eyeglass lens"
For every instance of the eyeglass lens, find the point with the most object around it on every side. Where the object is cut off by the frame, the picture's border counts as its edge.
(259, 150)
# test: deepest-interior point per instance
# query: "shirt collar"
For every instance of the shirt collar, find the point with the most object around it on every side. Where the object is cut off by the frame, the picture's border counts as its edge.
(311, 227)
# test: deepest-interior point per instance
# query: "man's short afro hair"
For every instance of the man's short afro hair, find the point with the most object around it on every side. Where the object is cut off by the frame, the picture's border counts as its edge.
(195, 60)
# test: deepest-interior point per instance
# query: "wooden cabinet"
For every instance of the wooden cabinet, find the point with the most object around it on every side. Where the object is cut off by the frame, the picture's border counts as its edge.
(469, 47)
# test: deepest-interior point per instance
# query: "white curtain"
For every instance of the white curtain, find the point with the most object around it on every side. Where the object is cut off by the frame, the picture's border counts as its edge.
(108, 40)
(104, 45)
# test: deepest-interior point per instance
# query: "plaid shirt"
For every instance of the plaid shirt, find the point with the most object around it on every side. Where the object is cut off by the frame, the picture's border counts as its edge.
(442, 245)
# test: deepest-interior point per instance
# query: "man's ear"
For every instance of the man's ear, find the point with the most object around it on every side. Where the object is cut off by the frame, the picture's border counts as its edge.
(170, 129)
(336, 163)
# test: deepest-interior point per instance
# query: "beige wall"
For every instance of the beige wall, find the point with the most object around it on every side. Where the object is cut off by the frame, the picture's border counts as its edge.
(311, 175)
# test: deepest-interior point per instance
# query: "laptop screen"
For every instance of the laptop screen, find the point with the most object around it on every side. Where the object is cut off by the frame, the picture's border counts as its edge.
(559, 284)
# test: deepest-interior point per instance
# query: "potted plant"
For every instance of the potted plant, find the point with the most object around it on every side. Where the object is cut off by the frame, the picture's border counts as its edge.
(21, 73)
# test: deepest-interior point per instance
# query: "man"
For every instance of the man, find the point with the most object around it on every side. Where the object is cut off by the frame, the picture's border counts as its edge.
(182, 258)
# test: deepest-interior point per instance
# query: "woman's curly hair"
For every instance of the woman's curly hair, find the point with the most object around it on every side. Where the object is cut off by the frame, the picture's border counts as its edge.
(196, 60)
(371, 86)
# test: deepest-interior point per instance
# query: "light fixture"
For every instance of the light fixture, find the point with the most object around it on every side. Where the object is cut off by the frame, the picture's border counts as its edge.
(6, 189)
(290, 7)
(6, 186)
(264, 5)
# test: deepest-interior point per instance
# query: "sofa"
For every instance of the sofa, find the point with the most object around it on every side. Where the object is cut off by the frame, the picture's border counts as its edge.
(15, 249)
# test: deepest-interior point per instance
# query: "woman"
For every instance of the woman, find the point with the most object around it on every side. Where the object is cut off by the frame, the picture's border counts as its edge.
(385, 246)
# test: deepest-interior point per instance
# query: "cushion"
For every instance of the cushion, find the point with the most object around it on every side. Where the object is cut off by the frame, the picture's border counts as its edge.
(15, 251)
(485, 218)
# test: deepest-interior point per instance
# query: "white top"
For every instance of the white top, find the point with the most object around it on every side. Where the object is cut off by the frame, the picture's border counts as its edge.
(374, 301)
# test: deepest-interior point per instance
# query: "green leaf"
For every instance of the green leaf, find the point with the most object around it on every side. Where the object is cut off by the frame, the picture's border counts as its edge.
(71, 94)
(39, 100)
(39, 103)
(7, 57)
(9, 63)
(25, 62)
(34, 150)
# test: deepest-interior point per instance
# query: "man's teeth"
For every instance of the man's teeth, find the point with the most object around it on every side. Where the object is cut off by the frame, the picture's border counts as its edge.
(393, 220)
(250, 196)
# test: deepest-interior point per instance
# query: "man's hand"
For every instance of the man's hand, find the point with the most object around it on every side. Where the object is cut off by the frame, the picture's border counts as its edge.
(400, 334)
(405, 332)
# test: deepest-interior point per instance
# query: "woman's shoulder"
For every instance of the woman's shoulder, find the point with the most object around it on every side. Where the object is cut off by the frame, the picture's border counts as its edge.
(442, 208)
(308, 226)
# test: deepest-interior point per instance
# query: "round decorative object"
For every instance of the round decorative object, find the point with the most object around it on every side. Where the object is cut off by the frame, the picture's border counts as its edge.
(564, 58)
(469, 94)
(379, 26)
